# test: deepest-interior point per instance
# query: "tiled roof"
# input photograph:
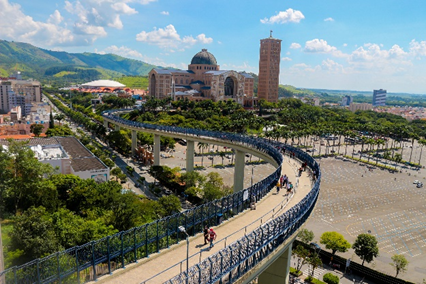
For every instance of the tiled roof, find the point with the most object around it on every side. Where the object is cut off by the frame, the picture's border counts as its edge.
(87, 164)
(73, 147)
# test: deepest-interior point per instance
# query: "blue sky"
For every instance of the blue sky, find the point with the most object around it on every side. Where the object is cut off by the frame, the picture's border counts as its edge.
(331, 44)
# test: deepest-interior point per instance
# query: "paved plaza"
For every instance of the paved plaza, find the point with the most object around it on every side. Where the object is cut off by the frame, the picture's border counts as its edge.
(355, 200)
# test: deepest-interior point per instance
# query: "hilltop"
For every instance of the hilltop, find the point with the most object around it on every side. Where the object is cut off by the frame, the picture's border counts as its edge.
(59, 67)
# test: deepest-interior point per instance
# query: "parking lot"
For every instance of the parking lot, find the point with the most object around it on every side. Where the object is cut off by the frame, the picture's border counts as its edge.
(355, 200)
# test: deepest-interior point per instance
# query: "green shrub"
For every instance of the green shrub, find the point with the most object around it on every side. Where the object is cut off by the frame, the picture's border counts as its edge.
(313, 280)
(295, 272)
(330, 278)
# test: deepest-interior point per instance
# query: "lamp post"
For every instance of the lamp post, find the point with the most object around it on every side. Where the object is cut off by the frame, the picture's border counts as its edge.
(252, 169)
(182, 229)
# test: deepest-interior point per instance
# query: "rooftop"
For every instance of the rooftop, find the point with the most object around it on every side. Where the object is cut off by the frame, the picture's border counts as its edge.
(86, 164)
(104, 83)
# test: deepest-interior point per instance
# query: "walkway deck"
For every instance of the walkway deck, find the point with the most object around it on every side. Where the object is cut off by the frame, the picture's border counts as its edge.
(227, 232)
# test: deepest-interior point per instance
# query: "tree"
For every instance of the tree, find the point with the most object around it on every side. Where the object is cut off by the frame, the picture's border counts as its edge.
(63, 130)
(26, 183)
(34, 234)
(170, 204)
(36, 129)
(302, 256)
(335, 242)
(306, 236)
(314, 261)
(214, 187)
(59, 117)
(400, 263)
(365, 247)
(51, 121)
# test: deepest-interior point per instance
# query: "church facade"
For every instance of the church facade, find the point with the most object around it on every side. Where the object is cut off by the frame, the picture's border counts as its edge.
(202, 81)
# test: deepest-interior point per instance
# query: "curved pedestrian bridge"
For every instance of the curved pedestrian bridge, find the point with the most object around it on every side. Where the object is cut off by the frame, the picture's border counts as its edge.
(249, 241)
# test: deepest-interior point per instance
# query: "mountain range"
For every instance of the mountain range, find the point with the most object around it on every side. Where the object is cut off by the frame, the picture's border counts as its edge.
(59, 67)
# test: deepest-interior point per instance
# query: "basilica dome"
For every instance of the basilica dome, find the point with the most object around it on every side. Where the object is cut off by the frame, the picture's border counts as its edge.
(204, 57)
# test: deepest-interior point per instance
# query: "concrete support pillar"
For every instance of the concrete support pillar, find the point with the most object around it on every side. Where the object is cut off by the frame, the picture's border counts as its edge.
(106, 124)
(134, 142)
(278, 271)
(239, 170)
(190, 156)
(157, 144)
(117, 127)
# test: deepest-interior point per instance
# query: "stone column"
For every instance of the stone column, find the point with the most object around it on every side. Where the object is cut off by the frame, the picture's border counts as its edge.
(239, 170)
(157, 150)
(117, 127)
(190, 156)
(134, 142)
(278, 271)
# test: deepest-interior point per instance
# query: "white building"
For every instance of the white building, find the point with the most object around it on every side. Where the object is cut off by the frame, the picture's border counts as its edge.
(69, 156)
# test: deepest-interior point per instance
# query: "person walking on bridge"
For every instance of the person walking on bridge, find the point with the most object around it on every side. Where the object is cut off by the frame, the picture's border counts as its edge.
(212, 236)
(206, 234)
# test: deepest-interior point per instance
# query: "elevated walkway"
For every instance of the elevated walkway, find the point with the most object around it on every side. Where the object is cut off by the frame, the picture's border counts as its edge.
(152, 270)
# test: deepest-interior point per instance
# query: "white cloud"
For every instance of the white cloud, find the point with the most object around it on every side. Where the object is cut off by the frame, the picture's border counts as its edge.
(242, 67)
(55, 18)
(286, 59)
(123, 51)
(329, 20)
(295, 45)
(15, 25)
(203, 39)
(345, 44)
(332, 66)
(146, 2)
(321, 46)
(283, 17)
(166, 13)
(168, 38)
(95, 15)
(123, 8)
(418, 48)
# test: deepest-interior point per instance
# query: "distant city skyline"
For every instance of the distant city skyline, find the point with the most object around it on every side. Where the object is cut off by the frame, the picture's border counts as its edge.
(358, 45)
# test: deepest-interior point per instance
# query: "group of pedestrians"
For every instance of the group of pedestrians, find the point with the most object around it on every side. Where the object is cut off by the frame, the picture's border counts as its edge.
(286, 183)
(209, 236)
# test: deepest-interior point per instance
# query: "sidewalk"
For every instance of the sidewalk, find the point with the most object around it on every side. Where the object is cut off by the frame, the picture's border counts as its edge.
(227, 232)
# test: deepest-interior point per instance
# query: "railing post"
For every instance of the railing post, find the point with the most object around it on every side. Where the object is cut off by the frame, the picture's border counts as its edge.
(77, 264)
(38, 270)
(193, 223)
(211, 269)
(59, 267)
(135, 245)
(146, 241)
(177, 226)
(93, 261)
(122, 250)
(158, 241)
(167, 232)
(14, 274)
(109, 255)
(221, 266)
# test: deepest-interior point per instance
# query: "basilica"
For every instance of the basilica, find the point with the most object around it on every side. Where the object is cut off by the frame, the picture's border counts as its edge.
(202, 81)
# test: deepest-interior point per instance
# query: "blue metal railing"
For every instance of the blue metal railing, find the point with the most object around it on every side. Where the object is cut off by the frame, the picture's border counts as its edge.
(89, 261)
(233, 261)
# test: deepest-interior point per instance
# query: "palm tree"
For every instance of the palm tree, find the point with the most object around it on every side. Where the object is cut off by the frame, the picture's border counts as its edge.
(59, 117)
(422, 143)
(413, 137)
(201, 147)
(222, 155)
